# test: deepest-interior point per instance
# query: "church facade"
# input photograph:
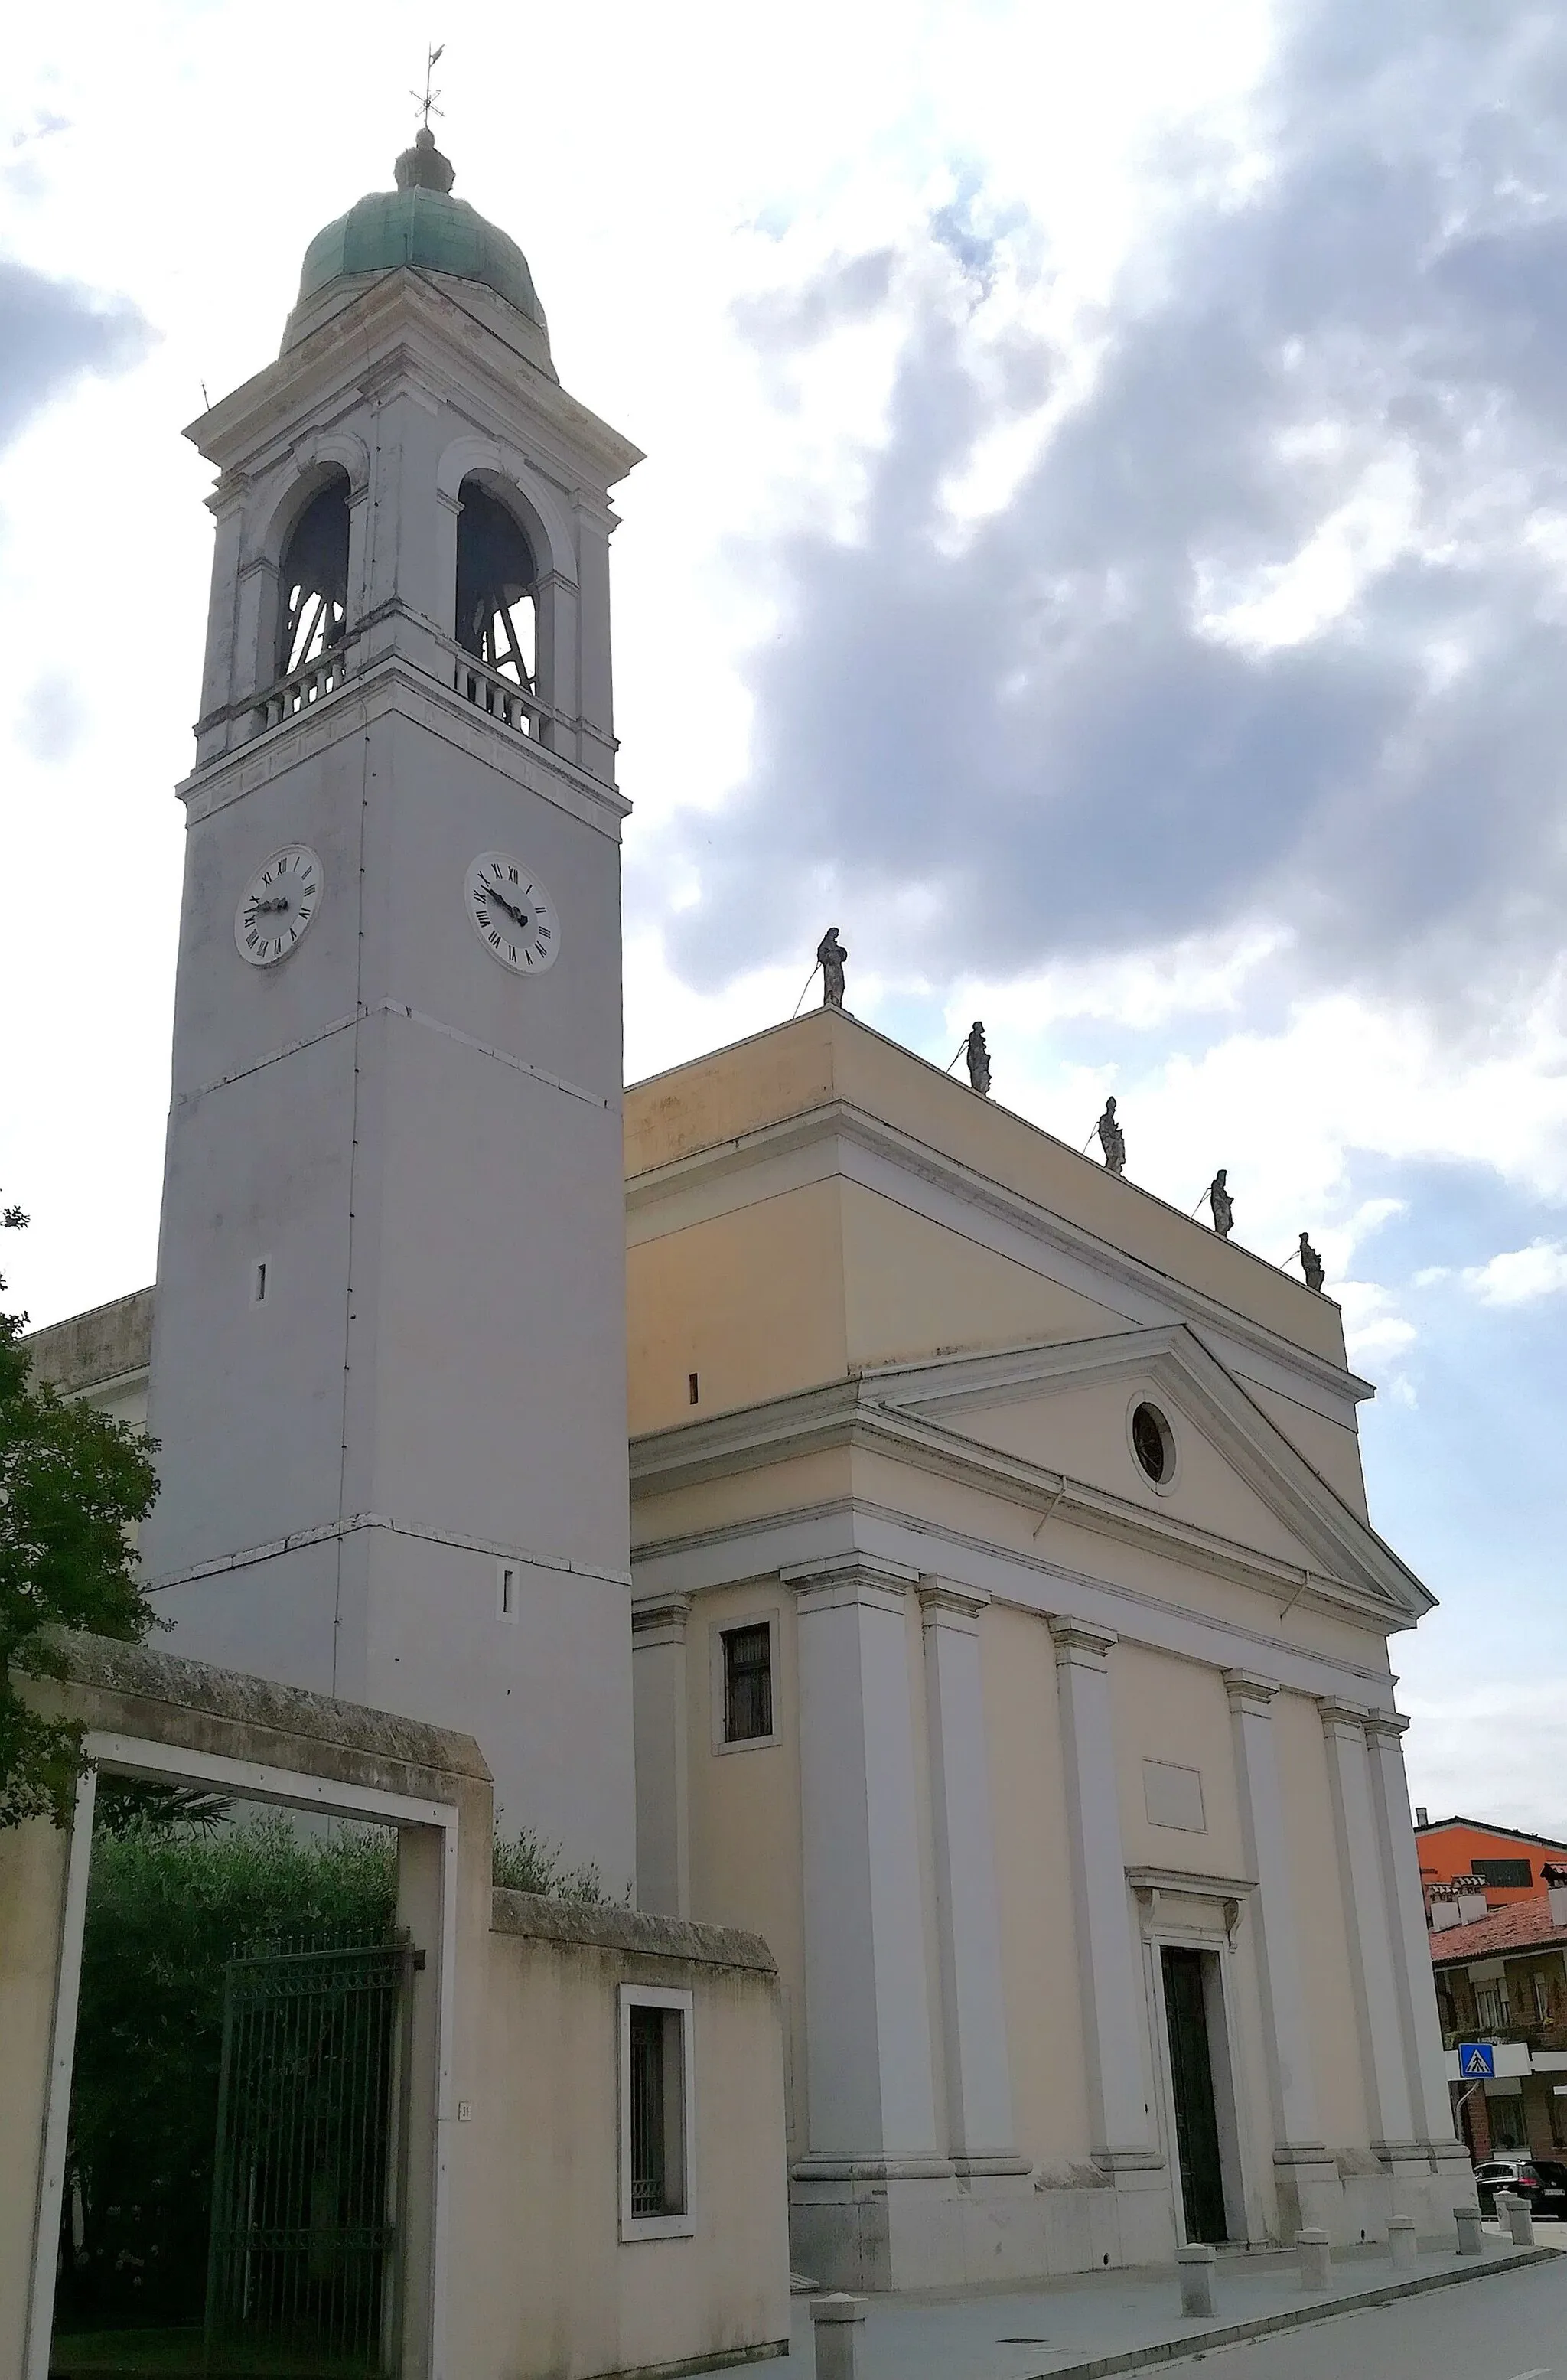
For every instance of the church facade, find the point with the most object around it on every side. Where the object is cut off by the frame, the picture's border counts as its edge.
(831, 1504)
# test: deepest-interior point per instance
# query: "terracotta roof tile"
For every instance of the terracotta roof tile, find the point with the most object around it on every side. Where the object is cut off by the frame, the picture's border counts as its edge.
(1526, 1926)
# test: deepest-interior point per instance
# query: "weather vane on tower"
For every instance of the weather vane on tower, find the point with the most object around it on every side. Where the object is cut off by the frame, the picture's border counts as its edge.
(425, 101)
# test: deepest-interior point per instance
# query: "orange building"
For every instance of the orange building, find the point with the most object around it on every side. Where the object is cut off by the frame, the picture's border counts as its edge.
(1506, 1865)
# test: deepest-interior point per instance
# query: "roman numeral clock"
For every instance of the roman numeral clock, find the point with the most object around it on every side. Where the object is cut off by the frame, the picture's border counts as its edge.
(512, 913)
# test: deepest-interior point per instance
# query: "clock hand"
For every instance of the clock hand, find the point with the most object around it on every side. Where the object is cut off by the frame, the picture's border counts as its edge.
(494, 894)
(266, 908)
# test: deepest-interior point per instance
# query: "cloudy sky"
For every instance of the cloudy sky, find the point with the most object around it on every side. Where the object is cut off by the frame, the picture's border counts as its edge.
(1103, 542)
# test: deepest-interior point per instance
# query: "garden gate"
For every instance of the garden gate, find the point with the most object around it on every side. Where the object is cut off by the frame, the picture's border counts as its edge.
(306, 2186)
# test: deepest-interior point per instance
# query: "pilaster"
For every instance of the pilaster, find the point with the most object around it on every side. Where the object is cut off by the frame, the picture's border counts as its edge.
(661, 1753)
(1366, 1925)
(872, 2204)
(871, 2088)
(1121, 2133)
(980, 2116)
(1414, 1981)
(1305, 2176)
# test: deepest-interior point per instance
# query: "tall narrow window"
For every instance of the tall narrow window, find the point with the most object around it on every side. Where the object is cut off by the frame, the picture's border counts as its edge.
(497, 583)
(1490, 2007)
(313, 580)
(748, 1682)
(655, 2112)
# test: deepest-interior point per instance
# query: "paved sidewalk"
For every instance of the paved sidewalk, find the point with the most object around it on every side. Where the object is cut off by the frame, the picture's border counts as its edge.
(1088, 2325)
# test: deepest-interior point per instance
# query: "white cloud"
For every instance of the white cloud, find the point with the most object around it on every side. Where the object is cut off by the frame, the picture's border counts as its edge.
(1496, 1752)
(1519, 1275)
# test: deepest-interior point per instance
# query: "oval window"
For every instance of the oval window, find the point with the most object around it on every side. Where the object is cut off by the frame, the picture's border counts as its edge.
(1153, 1444)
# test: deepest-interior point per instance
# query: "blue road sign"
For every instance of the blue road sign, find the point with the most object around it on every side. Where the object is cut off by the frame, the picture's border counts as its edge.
(1476, 2058)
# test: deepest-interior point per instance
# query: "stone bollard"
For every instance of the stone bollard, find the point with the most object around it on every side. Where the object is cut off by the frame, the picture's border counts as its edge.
(838, 2325)
(1401, 2243)
(1516, 2212)
(1196, 2268)
(1469, 2221)
(1315, 2259)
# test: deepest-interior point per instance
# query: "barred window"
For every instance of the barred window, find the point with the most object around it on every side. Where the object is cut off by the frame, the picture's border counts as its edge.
(1514, 1875)
(748, 1682)
(656, 2112)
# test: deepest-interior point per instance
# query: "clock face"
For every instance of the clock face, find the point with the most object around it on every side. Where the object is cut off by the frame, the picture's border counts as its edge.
(512, 914)
(278, 905)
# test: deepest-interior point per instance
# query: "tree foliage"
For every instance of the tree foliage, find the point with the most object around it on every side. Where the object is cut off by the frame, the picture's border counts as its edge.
(72, 1482)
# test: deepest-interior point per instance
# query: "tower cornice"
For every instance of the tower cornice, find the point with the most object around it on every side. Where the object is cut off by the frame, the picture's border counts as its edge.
(406, 325)
(391, 686)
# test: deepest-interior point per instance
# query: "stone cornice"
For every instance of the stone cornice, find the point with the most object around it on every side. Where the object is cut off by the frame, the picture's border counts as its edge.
(1365, 1578)
(1078, 1640)
(1190, 1883)
(747, 1551)
(660, 1623)
(944, 1605)
(1174, 1358)
(405, 325)
(1249, 1691)
(835, 1119)
(394, 686)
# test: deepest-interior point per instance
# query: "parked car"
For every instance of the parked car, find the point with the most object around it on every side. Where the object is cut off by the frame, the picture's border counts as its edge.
(1541, 2180)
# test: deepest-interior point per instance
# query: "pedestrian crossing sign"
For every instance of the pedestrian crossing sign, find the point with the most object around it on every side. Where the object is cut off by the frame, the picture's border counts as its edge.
(1476, 2058)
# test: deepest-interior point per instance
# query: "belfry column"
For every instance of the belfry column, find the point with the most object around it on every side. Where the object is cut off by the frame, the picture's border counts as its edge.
(1307, 2177)
(857, 2214)
(1367, 1923)
(1114, 2035)
(1413, 1980)
(980, 2116)
(662, 1754)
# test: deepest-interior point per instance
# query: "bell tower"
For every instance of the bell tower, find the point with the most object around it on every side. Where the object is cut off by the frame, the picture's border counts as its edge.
(389, 1352)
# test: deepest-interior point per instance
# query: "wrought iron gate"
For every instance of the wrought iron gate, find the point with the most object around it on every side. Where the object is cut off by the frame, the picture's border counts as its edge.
(302, 2269)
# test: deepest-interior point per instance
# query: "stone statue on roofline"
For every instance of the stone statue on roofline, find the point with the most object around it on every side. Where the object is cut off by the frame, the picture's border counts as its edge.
(1311, 1264)
(1112, 1140)
(830, 957)
(1221, 1205)
(978, 1059)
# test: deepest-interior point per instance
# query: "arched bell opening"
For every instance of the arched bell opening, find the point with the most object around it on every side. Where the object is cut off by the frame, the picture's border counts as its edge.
(313, 579)
(497, 610)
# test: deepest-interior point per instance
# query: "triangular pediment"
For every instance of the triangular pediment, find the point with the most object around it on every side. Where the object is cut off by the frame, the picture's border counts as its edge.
(1065, 1409)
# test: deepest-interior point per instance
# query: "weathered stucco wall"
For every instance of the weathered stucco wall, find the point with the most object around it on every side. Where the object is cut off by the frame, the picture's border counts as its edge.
(32, 1883)
(550, 2287)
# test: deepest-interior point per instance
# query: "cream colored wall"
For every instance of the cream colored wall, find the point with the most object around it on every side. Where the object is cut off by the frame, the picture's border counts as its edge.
(753, 1495)
(541, 2282)
(751, 1300)
(32, 1882)
(915, 1289)
(826, 1056)
(1320, 1937)
(744, 1812)
(759, 1081)
(1174, 1711)
(1034, 1886)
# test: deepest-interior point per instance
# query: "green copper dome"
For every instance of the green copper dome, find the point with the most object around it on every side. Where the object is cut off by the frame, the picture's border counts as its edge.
(419, 224)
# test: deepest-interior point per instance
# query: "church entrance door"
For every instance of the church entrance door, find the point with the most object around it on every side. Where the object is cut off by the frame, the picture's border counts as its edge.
(1191, 2076)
